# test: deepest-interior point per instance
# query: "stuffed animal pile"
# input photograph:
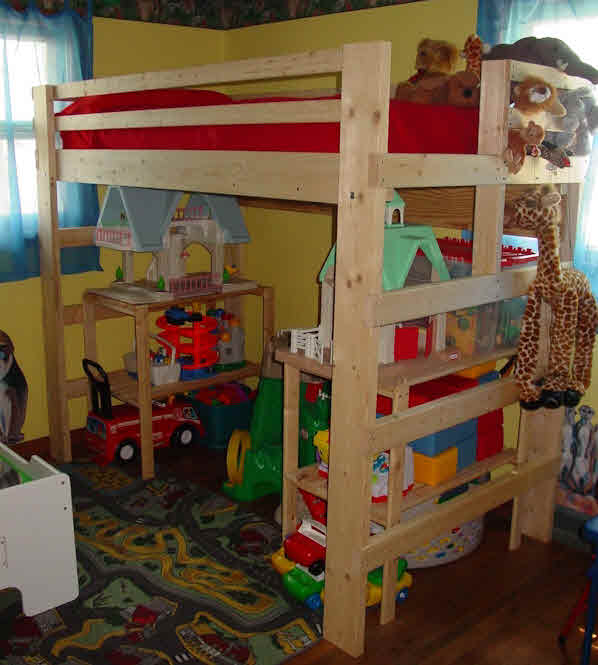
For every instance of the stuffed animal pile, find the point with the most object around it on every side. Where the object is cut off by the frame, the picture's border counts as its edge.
(436, 81)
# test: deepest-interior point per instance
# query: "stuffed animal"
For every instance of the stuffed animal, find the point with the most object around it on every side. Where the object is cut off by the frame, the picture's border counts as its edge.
(519, 139)
(463, 89)
(580, 122)
(547, 51)
(535, 99)
(13, 393)
(574, 313)
(434, 58)
(472, 52)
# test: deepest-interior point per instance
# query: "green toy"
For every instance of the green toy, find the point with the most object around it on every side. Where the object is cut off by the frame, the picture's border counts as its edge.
(254, 457)
(119, 274)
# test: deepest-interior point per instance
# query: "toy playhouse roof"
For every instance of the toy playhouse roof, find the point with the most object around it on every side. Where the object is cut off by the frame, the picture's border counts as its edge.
(136, 218)
(401, 244)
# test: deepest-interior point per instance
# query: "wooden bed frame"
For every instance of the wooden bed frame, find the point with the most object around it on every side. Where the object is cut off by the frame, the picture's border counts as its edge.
(356, 181)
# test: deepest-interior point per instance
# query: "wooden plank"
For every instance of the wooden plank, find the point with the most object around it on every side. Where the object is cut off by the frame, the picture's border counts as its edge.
(52, 300)
(90, 344)
(439, 206)
(297, 176)
(298, 64)
(418, 421)
(407, 536)
(308, 479)
(81, 237)
(78, 387)
(413, 302)
(422, 368)
(144, 393)
(291, 206)
(290, 454)
(423, 170)
(364, 130)
(73, 314)
(126, 390)
(268, 314)
(324, 110)
(308, 365)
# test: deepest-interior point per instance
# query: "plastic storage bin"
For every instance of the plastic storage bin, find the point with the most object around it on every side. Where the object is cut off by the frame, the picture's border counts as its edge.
(219, 418)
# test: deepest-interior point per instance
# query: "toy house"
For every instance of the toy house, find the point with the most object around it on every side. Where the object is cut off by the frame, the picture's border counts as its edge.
(137, 219)
(401, 247)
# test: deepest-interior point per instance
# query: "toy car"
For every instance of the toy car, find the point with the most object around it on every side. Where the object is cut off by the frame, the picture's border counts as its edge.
(113, 431)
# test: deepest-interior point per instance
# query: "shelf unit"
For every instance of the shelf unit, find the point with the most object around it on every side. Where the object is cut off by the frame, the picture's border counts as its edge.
(140, 392)
(355, 180)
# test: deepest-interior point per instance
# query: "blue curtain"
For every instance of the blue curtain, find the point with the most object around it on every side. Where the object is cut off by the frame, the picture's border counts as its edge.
(38, 49)
(506, 21)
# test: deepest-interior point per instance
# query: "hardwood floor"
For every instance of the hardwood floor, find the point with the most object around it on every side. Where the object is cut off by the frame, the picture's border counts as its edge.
(493, 607)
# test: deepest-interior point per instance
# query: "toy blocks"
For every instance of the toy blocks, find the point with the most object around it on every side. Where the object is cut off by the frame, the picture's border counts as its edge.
(437, 469)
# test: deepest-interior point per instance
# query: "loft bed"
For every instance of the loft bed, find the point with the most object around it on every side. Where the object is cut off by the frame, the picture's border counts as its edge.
(354, 182)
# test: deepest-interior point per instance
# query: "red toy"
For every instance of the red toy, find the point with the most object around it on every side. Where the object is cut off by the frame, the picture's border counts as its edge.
(192, 335)
(113, 432)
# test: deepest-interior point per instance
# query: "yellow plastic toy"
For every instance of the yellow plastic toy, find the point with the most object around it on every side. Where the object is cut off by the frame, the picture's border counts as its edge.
(437, 469)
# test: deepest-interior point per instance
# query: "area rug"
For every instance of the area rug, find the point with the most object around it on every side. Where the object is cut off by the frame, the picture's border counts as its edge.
(168, 573)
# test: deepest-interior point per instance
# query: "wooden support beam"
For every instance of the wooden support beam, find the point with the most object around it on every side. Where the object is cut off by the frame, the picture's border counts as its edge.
(52, 300)
(80, 237)
(285, 175)
(364, 130)
(144, 392)
(414, 302)
(400, 428)
(478, 500)
(324, 61)
(290, 453)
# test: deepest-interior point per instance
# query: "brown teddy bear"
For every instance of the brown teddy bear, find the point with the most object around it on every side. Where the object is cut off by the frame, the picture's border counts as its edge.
(519, 139)
(435, 58)
(535, 98)
(463, 89)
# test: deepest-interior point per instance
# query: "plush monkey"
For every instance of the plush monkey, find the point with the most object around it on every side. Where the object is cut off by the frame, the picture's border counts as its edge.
(13, 393)
(519, 139)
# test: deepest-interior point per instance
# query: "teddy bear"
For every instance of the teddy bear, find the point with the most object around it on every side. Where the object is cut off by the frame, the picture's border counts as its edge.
(519, 139)
(535, 99)
(463, 89)
(579, 124)
(435, 58)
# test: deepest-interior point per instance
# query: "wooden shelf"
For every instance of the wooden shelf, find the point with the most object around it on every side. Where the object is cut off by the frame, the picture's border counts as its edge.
(410, 372)
(406, 372)
(124, 387)
(307, 478)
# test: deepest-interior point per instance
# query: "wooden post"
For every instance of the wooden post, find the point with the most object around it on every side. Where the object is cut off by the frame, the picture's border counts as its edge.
(290, 454)
(268, 313)
(232, 256)
(144, 392)
(364, 130)
(52, 301)
(396, 475)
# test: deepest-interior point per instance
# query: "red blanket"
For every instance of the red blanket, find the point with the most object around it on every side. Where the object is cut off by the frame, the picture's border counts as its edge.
(414, 128)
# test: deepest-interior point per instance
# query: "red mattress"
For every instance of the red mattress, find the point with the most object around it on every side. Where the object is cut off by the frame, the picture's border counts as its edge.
(414, 128)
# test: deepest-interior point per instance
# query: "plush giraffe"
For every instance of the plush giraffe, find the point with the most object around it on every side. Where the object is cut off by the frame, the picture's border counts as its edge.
(472, 52)
(574, 310)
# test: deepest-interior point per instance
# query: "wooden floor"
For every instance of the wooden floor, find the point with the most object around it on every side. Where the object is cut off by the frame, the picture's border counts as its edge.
(493, 607)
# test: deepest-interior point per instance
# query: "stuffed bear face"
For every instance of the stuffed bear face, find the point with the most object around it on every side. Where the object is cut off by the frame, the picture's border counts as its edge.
(464, 89)
(534, 95)
(533, 134)
(436, 56)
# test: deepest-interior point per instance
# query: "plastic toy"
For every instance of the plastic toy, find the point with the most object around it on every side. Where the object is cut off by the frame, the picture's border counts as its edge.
(231, 340)
(437, 469)
(136, 219)
(301, 562)
(163, 366)
(113, 432)
(192, 335)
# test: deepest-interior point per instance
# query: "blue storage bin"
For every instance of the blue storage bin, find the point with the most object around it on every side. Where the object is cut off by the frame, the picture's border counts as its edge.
(436, 443)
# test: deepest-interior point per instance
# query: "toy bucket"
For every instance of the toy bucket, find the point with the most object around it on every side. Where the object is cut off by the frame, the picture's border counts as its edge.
(160, 373)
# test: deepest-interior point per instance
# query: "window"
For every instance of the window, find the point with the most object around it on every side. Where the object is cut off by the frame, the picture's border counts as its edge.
(24, 64)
